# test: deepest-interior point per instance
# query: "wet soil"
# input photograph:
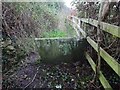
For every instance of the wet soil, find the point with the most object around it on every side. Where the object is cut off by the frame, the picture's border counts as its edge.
(40, 75)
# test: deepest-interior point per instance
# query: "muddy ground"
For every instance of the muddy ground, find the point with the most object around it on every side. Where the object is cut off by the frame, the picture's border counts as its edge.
(30, 74)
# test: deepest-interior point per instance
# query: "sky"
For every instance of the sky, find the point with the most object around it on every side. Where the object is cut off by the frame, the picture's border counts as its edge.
(67, 3)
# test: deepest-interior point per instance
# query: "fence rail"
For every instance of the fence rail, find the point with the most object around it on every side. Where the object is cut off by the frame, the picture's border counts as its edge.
(110, 60)
(112, 29)
(102, 79)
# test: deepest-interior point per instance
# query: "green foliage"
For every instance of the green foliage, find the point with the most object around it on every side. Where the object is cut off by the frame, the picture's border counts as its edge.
(29, 20)
(70, 30)
(44, 13)
(45, 16)
(38, 62)
(19, 7)
(11, 55)
(54, 33)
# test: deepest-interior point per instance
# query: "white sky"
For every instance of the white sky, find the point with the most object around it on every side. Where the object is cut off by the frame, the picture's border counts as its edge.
(67, 3)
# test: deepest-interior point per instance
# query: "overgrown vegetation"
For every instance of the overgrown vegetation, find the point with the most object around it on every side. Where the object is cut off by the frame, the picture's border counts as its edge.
(70, 30)
(108, 42)
(21, 23)
(54, 33)
(91, 10)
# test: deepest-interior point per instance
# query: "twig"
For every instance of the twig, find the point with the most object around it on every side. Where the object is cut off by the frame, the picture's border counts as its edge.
(98, 62)
(92, 85)
(32, 79)
(110, 45)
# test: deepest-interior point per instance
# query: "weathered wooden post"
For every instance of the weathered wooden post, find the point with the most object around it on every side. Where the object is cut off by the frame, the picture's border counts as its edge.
(98, 62)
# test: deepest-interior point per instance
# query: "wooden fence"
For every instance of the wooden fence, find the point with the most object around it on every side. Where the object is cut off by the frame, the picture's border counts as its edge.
(112, 29)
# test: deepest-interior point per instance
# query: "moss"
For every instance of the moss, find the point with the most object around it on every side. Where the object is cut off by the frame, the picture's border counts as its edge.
(63, 50)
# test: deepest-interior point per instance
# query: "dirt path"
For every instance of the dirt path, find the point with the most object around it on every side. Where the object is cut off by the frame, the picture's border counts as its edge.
(64, 75)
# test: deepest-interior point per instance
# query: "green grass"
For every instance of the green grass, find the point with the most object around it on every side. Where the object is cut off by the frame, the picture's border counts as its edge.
(54, 33)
